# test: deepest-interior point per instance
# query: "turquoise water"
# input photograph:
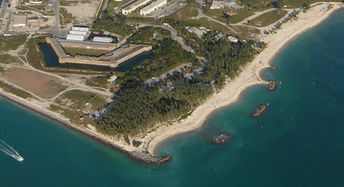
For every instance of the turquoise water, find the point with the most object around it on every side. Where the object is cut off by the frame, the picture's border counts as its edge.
(299, 141)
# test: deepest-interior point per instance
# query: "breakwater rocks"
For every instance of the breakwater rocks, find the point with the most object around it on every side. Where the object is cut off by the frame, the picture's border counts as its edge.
(147, 158)
(259, 110)
(272, 85)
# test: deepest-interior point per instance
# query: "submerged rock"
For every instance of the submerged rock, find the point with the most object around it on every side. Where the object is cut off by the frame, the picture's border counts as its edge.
(221, 138)
(259, 110)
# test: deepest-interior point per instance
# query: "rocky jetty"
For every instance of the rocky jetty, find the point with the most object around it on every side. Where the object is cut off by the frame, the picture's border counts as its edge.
(272, 85)
(260, 110)
(220, 138)
(146, 157)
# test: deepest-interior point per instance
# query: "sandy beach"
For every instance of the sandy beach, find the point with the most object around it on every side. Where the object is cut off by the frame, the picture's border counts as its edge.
(248, 77)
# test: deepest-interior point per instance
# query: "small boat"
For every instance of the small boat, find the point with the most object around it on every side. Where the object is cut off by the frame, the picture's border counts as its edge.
(221, 138)
(18, 158)
(259, 110)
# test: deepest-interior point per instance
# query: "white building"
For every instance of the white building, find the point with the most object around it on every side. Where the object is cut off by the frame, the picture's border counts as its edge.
(132, 7)
(19, 21)
(75, 37)
(102, 39)
(152, 7)
(78, 33)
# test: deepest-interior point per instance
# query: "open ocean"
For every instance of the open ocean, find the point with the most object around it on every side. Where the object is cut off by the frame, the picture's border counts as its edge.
(299, 141)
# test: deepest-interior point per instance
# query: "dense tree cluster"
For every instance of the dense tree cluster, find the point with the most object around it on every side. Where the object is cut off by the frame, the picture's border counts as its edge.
(138, 107)
(116, 24)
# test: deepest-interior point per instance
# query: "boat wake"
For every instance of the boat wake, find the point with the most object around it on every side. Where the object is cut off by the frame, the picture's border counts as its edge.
(10, 151)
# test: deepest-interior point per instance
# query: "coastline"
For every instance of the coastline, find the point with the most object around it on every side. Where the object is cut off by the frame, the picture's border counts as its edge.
(230, 94)
(248, 77)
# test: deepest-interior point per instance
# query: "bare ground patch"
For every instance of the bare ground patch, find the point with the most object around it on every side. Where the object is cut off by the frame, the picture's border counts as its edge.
(82, 11)
(38, 83)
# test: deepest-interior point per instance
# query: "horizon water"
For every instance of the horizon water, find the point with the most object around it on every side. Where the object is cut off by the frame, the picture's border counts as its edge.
(299, 141)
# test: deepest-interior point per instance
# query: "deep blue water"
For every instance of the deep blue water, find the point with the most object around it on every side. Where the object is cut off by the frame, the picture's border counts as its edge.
(299, 141)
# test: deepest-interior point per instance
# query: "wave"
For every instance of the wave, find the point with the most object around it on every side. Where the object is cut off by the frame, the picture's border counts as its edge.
(10, 151)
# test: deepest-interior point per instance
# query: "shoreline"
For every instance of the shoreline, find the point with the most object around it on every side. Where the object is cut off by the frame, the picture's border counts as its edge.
(250, 75)
(100, 138)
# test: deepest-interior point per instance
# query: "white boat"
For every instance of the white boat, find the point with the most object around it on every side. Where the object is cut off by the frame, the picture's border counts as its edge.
(18, 158)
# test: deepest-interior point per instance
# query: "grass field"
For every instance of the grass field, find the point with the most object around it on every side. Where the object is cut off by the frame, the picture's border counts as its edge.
(7, 59)
(188, 11)
(268, 18)
(77, 99)
(18, 92)
(99, 81)
(11, 43)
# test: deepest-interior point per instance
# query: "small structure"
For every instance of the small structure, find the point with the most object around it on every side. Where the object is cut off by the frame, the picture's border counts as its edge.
(233, 39)
(20, 21)
(132, 7)
(231, 12)
(152, 7)
(219, 4)
(102, 39)
(219, 36)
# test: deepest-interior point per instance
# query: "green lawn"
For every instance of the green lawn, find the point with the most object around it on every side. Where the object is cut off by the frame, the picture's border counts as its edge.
(86, 52)
(268, 18)
(242, 14)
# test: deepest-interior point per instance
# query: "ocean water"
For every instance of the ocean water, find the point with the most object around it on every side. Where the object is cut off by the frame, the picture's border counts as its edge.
(299, 141)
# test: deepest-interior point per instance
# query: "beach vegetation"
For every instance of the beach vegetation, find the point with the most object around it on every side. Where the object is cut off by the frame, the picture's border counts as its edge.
(13, 90)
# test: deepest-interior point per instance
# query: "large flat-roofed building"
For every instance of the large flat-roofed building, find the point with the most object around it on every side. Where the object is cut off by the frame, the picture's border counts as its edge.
(75, 37)
(20, 21)
(132, 7)
(152, 7)
(103, 39)
(78, 33)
